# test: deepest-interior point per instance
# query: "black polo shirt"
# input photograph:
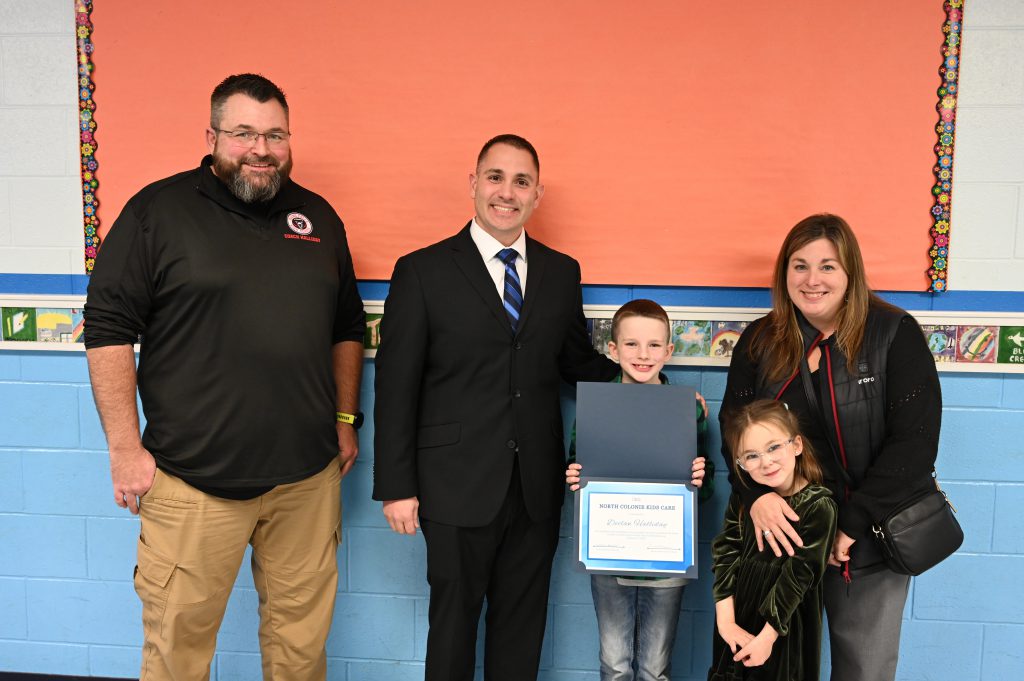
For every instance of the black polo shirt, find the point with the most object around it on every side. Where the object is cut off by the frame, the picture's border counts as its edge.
(238, 307)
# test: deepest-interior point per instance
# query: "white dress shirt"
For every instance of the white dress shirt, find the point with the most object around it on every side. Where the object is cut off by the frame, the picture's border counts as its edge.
(489, 247)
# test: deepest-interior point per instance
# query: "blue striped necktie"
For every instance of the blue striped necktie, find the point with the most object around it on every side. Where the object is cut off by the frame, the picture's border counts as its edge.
(513, 296)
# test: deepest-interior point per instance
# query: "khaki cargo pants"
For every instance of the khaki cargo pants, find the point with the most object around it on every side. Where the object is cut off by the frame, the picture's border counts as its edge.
(190, 547)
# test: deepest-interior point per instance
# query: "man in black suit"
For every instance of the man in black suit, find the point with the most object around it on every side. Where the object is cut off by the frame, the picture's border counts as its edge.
(469, 442)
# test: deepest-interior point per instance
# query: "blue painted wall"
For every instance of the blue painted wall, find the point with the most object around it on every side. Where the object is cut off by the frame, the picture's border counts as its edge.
(67, 605)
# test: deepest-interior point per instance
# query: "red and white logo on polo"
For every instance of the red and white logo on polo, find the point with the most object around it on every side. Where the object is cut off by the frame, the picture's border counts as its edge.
(299, 223)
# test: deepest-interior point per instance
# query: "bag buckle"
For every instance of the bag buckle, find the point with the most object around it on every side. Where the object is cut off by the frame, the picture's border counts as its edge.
(935, 478)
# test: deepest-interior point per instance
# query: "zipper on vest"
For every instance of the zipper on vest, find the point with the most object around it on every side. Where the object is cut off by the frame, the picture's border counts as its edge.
(847, 577)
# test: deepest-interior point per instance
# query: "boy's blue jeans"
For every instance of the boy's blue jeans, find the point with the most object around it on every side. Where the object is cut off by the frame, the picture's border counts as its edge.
(637, 628)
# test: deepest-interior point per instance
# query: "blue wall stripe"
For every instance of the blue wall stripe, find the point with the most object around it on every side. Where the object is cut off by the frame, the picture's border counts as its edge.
(43, 284)
(684, 296)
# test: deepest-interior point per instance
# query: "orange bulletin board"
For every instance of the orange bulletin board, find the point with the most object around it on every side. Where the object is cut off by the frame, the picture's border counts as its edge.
(679, 141)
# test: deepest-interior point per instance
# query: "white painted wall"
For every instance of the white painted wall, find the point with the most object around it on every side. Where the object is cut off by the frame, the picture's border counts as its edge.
(40, 194)
(987, 226)
(40, 198)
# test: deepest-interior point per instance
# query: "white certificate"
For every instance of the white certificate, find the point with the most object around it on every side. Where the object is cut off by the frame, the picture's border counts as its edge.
(636, 527)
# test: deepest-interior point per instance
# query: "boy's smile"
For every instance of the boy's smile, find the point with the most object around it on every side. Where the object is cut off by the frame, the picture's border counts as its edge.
(641, 349)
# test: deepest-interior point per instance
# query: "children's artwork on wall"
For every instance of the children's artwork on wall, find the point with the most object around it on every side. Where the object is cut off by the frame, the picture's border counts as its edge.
(372, 338)
(993, 342)
(55, 325)
(725, 336)
(977, 344)
(18, 323)
(941, 341)
(1011, 345)
(691, 338)
(600, 333)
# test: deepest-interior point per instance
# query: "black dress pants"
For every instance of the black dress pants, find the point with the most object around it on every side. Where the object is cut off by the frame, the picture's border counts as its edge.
(508, 561)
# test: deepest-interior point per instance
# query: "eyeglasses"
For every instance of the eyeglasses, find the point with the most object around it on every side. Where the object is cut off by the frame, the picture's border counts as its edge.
(248, 138)
(749, 461)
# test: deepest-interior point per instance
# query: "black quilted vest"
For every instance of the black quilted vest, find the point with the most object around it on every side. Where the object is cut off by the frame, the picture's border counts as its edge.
(859, 402)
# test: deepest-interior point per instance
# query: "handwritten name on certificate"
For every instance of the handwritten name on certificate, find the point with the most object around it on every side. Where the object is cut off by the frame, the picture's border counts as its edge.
(642, 527)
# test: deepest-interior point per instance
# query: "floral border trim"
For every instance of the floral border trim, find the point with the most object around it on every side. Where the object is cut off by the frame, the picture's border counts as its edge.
(86, 130)
(946, 130)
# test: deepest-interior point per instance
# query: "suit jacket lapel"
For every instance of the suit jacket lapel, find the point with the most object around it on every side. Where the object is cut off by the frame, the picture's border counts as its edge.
(535, 274)
(467, 257)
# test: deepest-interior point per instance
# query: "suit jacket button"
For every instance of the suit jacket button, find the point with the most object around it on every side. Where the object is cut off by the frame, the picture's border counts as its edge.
(511, 444)
(517, 394)
(518, 346)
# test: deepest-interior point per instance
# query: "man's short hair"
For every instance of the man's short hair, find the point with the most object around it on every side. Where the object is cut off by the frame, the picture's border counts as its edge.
(513, 141)
(249, 84)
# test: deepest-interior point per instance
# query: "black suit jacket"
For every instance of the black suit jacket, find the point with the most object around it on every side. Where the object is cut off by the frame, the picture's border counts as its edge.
(458, 396)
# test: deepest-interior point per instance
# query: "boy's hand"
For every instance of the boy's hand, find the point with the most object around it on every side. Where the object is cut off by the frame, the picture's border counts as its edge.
(734, 635)
(759, 649)
(572, 476)
(697, 469)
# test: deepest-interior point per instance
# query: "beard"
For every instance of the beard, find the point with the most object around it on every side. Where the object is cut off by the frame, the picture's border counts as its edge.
(252, 188)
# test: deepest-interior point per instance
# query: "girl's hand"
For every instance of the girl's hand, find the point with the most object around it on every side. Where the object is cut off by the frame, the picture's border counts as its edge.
(841, 548)
(572, 476)
(759, 649)
(698, 472)
(703, 403)
(734, 635)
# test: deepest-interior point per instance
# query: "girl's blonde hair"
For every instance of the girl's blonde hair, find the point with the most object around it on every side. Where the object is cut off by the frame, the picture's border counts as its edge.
(778, 414)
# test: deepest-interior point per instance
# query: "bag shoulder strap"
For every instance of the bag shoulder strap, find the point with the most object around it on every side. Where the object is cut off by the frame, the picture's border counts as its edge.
(815, 405)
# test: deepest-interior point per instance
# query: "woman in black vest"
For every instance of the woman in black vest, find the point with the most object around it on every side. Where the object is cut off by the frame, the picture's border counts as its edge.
(859, 375)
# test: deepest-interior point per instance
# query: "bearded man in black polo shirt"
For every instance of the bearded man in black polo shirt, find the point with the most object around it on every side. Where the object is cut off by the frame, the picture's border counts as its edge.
(240, 285)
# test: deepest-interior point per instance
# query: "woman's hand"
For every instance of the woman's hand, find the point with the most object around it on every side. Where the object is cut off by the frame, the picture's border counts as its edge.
(773, 519)
(841, 548)
(572, 476)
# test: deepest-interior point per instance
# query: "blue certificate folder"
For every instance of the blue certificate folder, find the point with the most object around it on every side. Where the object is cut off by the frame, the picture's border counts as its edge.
(635, 513)
(633, 431)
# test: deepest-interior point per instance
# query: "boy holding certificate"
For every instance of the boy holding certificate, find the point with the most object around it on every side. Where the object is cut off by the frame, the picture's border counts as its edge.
(637, 616)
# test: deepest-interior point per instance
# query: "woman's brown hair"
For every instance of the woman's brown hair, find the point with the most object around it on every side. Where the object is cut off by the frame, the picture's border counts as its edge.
(778, 343)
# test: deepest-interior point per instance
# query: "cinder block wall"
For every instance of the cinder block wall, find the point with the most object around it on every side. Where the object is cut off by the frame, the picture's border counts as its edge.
(68, 552)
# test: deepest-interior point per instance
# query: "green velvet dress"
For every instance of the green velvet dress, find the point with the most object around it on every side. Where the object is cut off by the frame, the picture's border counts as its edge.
(786, 592)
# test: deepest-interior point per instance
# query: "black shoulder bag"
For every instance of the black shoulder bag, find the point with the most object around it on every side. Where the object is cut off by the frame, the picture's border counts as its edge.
(919, 533)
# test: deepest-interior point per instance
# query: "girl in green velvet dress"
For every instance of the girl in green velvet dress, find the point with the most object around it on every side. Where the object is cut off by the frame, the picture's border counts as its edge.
(768, 609)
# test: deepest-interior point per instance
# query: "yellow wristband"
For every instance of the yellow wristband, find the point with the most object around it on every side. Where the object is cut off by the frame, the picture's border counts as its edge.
(354, 420)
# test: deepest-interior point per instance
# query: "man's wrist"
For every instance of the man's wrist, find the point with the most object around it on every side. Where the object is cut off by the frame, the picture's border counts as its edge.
(354, 419)
(127, 450)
